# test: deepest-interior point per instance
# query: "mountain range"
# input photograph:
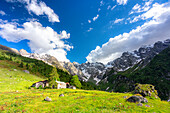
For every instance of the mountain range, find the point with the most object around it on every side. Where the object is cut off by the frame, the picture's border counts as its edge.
(95, 71)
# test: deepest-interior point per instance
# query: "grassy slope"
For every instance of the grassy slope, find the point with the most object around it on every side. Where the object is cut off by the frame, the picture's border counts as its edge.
(15, 97)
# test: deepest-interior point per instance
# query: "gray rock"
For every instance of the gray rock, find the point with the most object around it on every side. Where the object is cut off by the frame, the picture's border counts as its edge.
(147, 105)
(61, 95)
(140, 104)
(15, 69)
(125, 97)
(26, 71)
(47, 99)
(138, 99)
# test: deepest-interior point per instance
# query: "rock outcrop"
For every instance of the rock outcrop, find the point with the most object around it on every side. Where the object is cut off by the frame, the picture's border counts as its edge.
(146, 90)
(70, 67)
(137, 99)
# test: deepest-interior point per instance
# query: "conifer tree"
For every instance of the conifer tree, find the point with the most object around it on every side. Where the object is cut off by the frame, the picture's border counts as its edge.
(53, 77)
(75, 81)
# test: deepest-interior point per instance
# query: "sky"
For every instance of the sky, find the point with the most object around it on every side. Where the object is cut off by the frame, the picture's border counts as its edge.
(83, 30)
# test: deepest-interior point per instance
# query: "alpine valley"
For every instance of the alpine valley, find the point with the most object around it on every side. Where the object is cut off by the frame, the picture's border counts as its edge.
(150, 64)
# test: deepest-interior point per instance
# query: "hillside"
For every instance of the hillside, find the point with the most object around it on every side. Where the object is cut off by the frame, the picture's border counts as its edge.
(16, 97)
(34, 66)
(155, 73)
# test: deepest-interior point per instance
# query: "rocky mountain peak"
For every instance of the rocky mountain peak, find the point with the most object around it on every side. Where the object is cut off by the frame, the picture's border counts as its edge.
(23, 52)
(72, 69)
(146, 53)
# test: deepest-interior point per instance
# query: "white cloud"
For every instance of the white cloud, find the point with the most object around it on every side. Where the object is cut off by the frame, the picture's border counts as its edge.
(113, 7)
(99, 9)
(89, 21)
(108, 7)
(138, 8)
(38, 8)
(95, 18)
(101, 3)
(122, 2)
(118, 20)
(41, 39)
(154, 30)
(89, 29)
(2, 13)
(64, 35)
(152, 13)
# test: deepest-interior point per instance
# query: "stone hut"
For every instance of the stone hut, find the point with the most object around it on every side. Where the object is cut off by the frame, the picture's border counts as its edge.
(61, 84)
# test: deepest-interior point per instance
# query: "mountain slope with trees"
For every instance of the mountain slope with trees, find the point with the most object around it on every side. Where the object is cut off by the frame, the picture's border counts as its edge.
(156, 72)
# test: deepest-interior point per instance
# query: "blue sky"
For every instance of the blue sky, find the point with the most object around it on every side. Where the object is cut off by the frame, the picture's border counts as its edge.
(83, 30)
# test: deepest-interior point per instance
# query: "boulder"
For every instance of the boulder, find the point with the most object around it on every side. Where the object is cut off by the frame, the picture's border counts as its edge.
(140, 104)
(146, 90)
(47, 99)
(137, 99)
(125, 97)
(61, 95)
(147, 105)
(26, 71)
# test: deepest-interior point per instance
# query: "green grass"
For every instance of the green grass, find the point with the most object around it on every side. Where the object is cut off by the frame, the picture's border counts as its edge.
(17, 98)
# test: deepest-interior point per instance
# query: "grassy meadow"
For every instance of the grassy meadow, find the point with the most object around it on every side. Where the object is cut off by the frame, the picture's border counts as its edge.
(17, 98)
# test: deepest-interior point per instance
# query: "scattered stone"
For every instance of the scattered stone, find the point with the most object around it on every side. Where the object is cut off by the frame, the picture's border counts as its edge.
(72, 87)
(61, 95)
(26, 71)
(16, 90)
(147, 105)
(138, 99)
(169, 100)
(15, 69)
(47, 99)
(140, 104)
(124, 97)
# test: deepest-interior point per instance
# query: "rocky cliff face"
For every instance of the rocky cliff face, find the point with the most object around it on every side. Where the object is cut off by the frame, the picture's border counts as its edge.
(144, 54)
(92, 71)
(73, 70)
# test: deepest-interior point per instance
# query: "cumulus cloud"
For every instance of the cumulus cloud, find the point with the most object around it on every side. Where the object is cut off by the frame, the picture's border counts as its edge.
(118, 20)
(41, 39)
(122, 2)
(154, 30)
(38, 8)
(95, 18)
(2, 13)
